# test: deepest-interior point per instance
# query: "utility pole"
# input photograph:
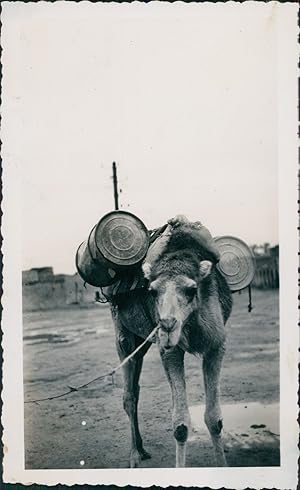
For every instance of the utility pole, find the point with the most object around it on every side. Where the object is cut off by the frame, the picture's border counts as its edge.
(115, 181)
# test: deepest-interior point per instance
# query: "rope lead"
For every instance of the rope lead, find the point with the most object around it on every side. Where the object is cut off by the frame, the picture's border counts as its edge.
(111, 373)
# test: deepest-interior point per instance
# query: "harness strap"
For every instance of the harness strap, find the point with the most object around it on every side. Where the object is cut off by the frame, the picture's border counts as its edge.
(154, 234)
(250, 308)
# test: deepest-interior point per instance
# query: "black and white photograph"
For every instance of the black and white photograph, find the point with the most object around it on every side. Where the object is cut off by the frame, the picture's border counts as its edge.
(150, 243)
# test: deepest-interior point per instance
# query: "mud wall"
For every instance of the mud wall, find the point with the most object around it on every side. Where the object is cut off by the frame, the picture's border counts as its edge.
(56, 292)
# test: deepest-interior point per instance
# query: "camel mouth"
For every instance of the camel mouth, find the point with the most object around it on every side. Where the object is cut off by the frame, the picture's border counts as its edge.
(168, 345)
(169, 339)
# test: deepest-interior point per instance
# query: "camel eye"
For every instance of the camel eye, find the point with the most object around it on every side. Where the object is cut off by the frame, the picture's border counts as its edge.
(190, 292)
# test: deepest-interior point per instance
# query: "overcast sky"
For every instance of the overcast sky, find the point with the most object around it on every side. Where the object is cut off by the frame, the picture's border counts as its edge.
(185, 104)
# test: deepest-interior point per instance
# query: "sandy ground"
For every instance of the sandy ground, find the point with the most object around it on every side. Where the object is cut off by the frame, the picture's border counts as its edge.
(89, 429)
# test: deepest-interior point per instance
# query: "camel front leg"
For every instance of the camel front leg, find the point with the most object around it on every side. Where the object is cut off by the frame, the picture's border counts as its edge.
(127, 343)
(212, 363)
(173, 362)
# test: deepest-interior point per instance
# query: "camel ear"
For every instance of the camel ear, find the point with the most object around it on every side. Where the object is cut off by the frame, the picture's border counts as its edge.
(205, 268)
(146, 267)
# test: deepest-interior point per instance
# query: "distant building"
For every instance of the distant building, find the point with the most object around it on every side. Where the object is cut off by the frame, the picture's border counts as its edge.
(267, 266)
(43, 290)
(265, 250)
(41, 274)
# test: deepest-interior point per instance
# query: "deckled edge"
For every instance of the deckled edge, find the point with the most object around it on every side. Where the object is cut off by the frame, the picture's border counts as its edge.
(232, 3)
(1, 260)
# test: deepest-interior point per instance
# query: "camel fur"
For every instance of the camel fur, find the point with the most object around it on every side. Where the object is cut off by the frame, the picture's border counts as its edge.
(190, 302)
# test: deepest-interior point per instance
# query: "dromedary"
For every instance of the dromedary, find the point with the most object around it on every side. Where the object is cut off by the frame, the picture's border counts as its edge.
(190, 302)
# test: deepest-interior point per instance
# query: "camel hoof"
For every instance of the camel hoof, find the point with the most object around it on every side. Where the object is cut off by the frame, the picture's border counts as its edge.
(222, 464)
(135, 459)
(145, 455)
(221, 460)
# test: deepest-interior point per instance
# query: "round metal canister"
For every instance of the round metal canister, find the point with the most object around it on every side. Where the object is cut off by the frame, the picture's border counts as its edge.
(95, 272)
(122, 239)
(237, 262)
(119, 240)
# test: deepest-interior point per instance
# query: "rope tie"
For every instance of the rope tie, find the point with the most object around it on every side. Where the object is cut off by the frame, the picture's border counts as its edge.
(250, 308)
(103, 299)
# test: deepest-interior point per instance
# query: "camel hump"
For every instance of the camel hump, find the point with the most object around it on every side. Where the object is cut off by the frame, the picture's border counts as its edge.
(196, 237)
(206, 240)
(179, 229)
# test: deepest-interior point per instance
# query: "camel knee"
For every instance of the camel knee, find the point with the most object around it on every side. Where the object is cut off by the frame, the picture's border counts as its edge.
(129, 402)
(125, 344)
(214, 424)
(137, 392)
(181, 433)
(181, 423)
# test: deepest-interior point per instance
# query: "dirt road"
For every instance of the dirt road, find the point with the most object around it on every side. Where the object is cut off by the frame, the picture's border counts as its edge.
(72, 346)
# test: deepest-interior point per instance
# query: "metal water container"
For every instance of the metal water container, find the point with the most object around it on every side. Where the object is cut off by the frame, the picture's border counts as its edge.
(119, 241)
(237, 262)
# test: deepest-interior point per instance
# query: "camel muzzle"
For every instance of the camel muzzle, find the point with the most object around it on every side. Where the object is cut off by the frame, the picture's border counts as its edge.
(168, 325)
(168, 334)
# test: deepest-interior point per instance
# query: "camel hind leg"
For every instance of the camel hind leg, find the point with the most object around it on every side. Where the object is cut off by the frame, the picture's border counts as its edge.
(127, 342)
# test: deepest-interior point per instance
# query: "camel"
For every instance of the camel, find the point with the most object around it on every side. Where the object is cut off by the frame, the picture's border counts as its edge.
(190, 302)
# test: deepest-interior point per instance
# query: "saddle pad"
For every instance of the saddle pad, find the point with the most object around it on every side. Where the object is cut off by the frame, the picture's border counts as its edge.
(124, 285)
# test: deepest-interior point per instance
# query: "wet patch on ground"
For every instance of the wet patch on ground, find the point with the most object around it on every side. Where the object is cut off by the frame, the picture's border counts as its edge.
(248, 428)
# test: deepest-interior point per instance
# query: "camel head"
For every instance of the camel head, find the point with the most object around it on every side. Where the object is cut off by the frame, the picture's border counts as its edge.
(176, 291)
